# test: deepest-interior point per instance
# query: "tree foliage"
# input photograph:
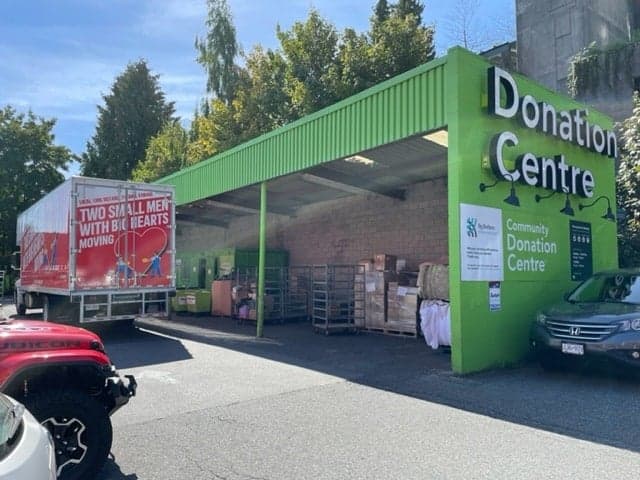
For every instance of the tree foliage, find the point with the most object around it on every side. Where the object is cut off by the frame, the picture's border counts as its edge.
(310, 48)
(400, 43)
(381, 12)
(213, 133)
(405, 8)
(314, 67)
(262, 103)
(218, 50)
(628, 188)
(133, 112)
(30, 166)
(166, 153)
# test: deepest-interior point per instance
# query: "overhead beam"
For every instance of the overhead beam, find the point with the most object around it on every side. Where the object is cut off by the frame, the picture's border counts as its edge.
(286, 212)
(351, 187)
(187, 217)
(243, 209)
(231, 206)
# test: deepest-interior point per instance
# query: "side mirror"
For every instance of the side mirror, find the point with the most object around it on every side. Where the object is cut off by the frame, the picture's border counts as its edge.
(566, 296)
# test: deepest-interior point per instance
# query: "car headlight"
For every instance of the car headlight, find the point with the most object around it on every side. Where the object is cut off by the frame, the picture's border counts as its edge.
(627, 325)
(541, 318)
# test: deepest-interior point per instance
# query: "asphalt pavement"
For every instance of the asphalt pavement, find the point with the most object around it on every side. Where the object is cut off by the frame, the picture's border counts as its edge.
(215, 402)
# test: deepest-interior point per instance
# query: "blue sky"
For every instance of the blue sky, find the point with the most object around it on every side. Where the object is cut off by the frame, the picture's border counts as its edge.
(58, 57)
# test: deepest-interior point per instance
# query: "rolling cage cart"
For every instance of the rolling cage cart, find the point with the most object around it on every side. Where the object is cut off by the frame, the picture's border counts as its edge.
(287, 293)
(338, 298)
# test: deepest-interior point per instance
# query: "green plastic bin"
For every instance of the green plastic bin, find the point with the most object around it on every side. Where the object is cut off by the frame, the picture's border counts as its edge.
(179, 302)
(199, 301)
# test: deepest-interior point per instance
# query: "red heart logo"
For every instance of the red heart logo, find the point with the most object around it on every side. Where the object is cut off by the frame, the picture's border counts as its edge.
(138, 249)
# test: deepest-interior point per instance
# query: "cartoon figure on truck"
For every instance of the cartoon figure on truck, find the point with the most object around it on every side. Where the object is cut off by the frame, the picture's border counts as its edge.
(97, 250)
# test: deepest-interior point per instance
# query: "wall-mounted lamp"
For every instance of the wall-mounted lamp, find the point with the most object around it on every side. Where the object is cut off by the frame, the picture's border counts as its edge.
(512, 199)
(567, 209)
(607, 216)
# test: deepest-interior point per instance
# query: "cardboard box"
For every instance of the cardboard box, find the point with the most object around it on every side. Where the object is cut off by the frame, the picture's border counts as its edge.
(376, 311)
(384, 262)
(367, 263)
(376, 282)
(402, 304)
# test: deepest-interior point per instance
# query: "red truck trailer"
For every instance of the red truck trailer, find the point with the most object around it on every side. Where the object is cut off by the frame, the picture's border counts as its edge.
(97, 250)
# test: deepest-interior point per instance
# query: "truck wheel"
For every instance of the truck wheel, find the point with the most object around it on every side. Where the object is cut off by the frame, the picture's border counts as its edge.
(80, 427)
(21, 309)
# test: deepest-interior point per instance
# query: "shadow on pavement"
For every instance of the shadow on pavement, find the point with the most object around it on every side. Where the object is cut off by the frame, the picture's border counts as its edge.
(111, 471)
(587, 407)
(130, 347)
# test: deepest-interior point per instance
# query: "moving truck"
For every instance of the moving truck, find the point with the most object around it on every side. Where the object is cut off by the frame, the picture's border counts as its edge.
(97, 250)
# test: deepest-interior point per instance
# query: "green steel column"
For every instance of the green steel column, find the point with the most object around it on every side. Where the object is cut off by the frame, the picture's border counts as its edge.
(261, 258)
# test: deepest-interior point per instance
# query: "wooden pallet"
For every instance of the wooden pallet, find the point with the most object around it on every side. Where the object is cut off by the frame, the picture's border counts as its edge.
(391, 331)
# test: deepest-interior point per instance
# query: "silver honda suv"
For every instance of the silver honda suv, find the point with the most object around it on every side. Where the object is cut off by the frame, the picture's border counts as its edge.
(599, 320)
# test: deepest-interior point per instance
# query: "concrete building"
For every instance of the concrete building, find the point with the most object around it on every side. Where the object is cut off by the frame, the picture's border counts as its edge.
(551, 32)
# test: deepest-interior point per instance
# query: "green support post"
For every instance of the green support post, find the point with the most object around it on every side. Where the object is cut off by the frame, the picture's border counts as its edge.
(261, 258)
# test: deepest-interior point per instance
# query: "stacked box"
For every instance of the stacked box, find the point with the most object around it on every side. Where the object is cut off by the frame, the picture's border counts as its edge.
(376, 311)
(402, 305)
(384, 262)
(376, 284)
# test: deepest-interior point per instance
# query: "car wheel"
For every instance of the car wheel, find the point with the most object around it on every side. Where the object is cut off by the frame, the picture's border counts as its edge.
(80, 427)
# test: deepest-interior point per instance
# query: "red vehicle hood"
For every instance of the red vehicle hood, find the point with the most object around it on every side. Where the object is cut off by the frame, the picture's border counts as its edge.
(29, 335)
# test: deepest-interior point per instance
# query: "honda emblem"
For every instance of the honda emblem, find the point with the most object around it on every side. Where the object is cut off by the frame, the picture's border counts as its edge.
(574, 331)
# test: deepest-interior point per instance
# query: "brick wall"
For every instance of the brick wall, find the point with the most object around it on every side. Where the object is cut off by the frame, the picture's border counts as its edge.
(344, 230)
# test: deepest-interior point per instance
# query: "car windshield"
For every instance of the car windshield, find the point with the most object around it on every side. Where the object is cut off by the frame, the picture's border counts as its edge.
(615, 288)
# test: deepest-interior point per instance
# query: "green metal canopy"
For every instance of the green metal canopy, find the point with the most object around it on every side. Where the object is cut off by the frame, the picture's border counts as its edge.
(404, 106)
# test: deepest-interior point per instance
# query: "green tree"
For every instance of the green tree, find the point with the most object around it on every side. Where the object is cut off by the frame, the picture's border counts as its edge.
(213, 133)
(381, 12)
(628, 188)
(401, 42)
(166, 153)
(262, 103)
(134, 111)
(314, 67)
(30, 167)
(310, 49)
(218, 50)
(355, 64)
(405, 8)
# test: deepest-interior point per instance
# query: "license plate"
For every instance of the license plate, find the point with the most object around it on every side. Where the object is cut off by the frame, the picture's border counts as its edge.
(573, 348)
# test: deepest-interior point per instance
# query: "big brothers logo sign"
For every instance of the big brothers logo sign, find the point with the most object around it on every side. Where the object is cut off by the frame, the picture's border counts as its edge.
(481, 245)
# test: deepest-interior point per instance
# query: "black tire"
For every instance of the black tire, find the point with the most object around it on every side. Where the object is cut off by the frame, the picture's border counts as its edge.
(21, 309)
(64, 413)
